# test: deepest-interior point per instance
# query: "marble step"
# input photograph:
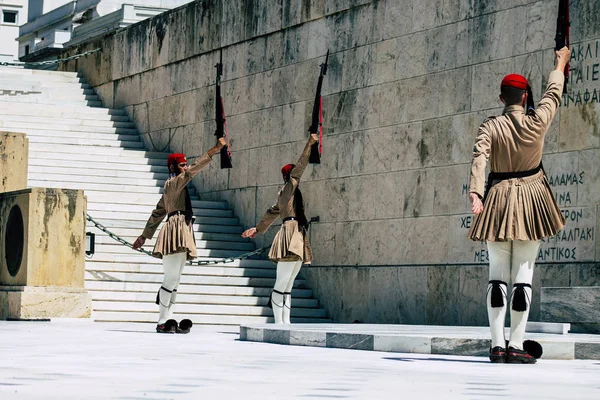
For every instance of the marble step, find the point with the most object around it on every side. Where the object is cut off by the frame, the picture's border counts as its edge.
(43, 100)
(28, 88)
(183, 298)
(86, 171)
(186, 278)
(143, 216)
(95, 186)
(197, 319)
(132, 234)
(132, 142)
(81, 152)
(211, 309)
(144, 198)
(104, 240)
(102, 180)
(223, 221)
(204, 270)
(147, 209)
(60, 128)
(69, 136)
(43, 74)
(103, 162)
(63, 111)
(146, 260)
(184, 288)
(118, 249)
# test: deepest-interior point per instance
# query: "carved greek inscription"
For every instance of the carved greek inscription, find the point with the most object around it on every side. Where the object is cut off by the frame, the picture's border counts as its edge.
(585, 75)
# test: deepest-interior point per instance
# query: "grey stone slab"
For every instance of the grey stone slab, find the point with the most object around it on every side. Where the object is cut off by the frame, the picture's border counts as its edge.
(585, 327)
(558, 350)
(313, 339)
(350, 341)
(547, 327)
(444, 305)
(409, 344)
(573, 304)
(456, 346)
(276, 336)
(587, 351)
(576, 133)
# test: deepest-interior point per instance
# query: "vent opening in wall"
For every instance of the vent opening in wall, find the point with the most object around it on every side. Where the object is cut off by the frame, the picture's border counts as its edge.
(15, 240)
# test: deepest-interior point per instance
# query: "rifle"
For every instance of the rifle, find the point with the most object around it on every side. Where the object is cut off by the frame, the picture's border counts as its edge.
(220, 118)
(530, 104)
(317, 117)
(563, 23)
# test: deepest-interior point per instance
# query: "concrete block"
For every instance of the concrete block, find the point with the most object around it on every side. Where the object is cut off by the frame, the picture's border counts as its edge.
(31, 303)
(14, 156)
(51, 251)
(575, 305)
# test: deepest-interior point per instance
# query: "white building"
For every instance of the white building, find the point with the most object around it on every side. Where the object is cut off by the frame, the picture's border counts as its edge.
(12, 14)
(55, 24)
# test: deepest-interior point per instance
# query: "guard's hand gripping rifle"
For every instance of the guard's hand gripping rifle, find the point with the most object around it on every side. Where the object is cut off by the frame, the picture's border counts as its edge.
(563, 23)
(220, 117)
(317, 117)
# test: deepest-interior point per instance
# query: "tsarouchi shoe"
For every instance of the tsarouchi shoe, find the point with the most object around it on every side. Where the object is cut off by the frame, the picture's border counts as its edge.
(184, 326)
(498, 354)
(516, 356)
(168, 327)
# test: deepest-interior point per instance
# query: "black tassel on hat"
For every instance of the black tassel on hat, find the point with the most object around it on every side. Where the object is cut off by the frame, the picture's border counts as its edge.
(519, 297)
(497, 297)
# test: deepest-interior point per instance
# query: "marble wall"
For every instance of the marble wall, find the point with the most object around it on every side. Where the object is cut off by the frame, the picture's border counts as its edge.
(407, 86)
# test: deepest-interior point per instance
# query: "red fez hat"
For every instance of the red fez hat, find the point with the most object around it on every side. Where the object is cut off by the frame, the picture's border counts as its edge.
(176, 158)
(516, 81)
(287, 169)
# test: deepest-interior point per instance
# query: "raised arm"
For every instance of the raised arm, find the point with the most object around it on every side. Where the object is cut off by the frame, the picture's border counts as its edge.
(548, 105)
(198, 165)
(303, 160)
(154, 221)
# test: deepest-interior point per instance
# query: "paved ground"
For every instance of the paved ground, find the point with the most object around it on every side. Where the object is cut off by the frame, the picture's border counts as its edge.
(84, 360)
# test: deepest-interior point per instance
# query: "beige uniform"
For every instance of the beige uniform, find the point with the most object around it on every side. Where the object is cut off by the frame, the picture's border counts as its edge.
(291, 242)
(517, 208)
(176, 236)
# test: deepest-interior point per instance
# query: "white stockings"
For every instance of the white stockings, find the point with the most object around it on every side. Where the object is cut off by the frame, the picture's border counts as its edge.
(281, 299)
(173, 265)
(514, 260)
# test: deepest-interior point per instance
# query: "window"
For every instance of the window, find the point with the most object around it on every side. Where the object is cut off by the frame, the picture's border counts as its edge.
(9, 17)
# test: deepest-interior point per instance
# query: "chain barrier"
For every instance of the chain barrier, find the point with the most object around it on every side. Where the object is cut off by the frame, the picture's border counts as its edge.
(49, 62)
(190, 262)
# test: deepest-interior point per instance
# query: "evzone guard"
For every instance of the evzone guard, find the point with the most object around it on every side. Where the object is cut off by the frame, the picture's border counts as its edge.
(290, 246)
(517, 208)
(175, 243)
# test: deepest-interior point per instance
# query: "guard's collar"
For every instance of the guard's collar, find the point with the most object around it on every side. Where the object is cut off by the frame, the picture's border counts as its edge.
(513, 108)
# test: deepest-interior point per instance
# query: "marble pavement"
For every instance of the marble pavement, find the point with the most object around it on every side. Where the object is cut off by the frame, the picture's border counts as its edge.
(84, 360)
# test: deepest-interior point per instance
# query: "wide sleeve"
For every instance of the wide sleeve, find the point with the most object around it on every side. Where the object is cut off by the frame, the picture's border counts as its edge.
(183, 179)
(268, 219)
(542, 116)
(302, 163)
(481, 154)
(155, 219)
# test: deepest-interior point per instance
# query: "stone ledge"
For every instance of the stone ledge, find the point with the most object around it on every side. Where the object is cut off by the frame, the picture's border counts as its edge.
(579, 306)
(42, 303)
(421, 339)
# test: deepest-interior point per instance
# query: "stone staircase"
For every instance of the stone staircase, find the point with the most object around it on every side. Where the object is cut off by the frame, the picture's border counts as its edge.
(76, 144)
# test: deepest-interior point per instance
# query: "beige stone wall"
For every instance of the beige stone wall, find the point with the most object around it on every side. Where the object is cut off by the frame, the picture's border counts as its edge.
(14, 151)
(407, 86)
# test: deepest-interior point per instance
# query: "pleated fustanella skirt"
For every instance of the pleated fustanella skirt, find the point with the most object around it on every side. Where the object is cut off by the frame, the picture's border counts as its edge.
(291, 244)
(518, 209)
(175, 237)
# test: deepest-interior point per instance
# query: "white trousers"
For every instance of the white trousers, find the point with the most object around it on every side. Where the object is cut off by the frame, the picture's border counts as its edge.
(512, 260)
(173, 266)
(281, 299)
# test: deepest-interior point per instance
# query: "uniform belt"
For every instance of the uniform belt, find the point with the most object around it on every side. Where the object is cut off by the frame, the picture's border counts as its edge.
(289, 219)
(501, 176)
(178, 212)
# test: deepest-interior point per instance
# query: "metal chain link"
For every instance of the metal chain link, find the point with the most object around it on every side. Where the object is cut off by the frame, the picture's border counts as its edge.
(49, 62)
(191, 262)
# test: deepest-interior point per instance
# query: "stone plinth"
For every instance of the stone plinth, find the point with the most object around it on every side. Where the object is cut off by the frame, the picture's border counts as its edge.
(14, 149)
(42, 254)
(30, 302)
(579, 306)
